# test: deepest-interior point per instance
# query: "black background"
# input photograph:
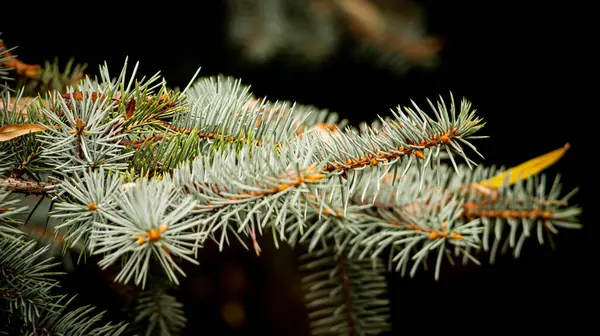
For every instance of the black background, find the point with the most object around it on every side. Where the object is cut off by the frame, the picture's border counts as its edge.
(522, 67)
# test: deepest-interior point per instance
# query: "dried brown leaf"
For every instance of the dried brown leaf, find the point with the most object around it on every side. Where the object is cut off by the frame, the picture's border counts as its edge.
(129, 109)
(8, 132)
(20, 104)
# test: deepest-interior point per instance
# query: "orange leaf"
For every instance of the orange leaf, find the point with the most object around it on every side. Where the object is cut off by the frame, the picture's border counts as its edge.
(8, 132)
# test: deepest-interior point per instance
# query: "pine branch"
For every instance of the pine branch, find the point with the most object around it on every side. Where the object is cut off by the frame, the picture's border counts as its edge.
(397, 211)
(27, 296)
(227, 112)
(25, 287)
(148, 220)
(388, 216)
(160, 313)
(77, 322)
(268, 189)
(344, 296)
(528, 206)
(81, 135)
(77, 205)
(251, 204)
(412, 133)
(142, 176)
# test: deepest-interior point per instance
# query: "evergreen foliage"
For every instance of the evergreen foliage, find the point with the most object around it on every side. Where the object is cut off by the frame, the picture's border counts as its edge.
(143, 176)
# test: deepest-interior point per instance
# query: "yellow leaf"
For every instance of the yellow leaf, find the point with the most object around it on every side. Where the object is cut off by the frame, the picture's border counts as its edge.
(525, 169)
(8, 132)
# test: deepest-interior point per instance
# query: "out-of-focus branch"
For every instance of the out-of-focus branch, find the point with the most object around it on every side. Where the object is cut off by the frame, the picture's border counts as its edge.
(21, 68)
(366, 21)
(314, 29)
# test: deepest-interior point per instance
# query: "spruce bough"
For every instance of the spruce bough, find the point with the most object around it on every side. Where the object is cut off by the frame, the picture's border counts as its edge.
(143, 176)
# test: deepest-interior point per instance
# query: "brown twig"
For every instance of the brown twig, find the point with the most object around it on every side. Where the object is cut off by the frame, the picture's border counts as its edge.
(21, 297)
(146, 141)
(433, 233)
(209, 135)
(29, 187)
(310, 175)
(380, 157)
(13, 272)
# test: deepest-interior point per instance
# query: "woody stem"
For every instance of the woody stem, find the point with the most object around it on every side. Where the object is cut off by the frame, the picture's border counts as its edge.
(29, 187)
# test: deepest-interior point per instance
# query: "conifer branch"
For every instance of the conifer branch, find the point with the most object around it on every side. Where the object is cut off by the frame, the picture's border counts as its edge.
(344, 296)
(230, 114)
(29, 299)
(80, 135)
(78, 202)
(159, 313)
(135, 233)
(411, 133)
(142, 176)
(266, 182)
(77, 322)
(25, 287)
(523, 208)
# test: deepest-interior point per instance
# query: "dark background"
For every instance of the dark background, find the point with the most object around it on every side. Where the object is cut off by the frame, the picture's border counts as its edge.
(520, 66)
